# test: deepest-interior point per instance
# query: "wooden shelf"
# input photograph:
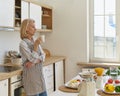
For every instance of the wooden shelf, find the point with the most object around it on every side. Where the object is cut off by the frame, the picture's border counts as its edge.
(47, 19)
(44, 30)
(46, 15)
(18, 7)
(17, 20)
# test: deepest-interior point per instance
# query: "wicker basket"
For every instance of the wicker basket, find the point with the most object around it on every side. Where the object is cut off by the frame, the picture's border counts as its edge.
(17, 61)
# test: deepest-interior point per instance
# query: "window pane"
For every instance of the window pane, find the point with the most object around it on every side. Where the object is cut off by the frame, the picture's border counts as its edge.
(98, 7)
(99, 36)
(99, 26)
(110, 26)
(110, 35)
(110, 6)
(99, 47)
(110, 49)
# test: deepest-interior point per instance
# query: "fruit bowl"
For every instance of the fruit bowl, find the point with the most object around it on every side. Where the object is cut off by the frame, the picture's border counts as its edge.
(112, 86)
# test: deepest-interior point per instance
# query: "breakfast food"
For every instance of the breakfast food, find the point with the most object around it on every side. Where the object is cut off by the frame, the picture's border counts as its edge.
(117, 81)
(117, 88)
(74, 83)
(109, 88)
(110, 80)
(112, 86)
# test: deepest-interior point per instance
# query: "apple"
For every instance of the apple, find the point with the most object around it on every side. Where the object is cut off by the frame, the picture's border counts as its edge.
(117, 81)
(110, 81)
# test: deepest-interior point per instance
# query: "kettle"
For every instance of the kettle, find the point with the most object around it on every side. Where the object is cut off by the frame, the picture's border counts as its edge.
(87, 88)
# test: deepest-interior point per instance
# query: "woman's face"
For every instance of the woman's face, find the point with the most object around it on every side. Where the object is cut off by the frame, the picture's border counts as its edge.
(31, 29)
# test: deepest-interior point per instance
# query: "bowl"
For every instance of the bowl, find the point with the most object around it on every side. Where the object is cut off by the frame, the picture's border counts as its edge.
(87, 74)
(17, 61)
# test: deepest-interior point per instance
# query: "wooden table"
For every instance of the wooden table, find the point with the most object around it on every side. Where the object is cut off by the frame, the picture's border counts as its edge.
(101, 93)
(65, 90)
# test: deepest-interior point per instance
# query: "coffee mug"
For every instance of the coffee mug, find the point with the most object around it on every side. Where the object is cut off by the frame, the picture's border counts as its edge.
(42, 38)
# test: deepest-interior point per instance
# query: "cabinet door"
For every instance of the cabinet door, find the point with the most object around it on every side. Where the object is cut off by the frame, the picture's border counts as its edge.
(25, 10)
(7, 16)
(36, 14)
(48, 75)
(59, 74)
(4, 87)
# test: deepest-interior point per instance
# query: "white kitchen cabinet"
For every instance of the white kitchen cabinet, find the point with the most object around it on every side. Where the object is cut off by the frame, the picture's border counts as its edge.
(33, 11)
(4, 87)
(59, 74)
(7, 13)
(48, 75)
(24, 10)
(36, 14)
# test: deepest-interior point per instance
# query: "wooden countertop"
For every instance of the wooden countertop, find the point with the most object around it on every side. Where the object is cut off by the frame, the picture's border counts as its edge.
(6, 75)
(48, 60)
(87, 64)
(53, 59)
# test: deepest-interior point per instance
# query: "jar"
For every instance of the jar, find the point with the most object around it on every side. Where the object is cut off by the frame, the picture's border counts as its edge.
(99, 82)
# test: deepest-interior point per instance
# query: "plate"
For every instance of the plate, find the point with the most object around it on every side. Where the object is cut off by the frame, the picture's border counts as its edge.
(73, 83)
(114, 93)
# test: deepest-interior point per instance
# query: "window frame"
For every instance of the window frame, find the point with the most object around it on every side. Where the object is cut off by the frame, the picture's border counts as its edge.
(91, 33)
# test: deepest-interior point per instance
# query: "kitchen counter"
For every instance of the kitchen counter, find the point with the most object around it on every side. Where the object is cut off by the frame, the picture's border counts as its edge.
(6, 75)
(53, 59)
(48, 60)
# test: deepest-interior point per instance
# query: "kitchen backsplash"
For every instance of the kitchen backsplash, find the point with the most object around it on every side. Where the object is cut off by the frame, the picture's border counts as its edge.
(8, 41)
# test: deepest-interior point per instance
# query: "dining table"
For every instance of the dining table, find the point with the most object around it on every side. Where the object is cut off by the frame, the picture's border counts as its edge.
(66, 91)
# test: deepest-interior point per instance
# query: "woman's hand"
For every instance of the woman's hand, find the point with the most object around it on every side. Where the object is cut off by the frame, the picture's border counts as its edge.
(29, 64)
(36, 44)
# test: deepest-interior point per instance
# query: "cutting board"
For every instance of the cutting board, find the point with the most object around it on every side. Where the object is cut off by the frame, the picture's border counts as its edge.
(101, 93)
(69, 90)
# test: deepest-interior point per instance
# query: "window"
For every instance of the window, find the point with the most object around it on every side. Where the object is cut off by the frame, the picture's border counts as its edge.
(103, 30)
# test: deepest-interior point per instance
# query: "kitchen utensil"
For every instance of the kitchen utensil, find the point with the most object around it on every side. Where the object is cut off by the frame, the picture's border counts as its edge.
(17, 61)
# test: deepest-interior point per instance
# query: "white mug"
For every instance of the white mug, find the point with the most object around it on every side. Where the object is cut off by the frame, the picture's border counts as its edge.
(42, 38)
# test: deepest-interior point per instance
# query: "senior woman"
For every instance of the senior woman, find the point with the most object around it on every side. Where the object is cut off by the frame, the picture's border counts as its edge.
(32, 56)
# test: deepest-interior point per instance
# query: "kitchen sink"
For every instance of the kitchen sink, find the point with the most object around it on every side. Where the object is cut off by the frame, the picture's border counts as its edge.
(9, 68)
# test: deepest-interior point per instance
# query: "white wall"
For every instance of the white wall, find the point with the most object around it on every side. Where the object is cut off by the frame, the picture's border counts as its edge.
(69, 36)
(8, 41)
